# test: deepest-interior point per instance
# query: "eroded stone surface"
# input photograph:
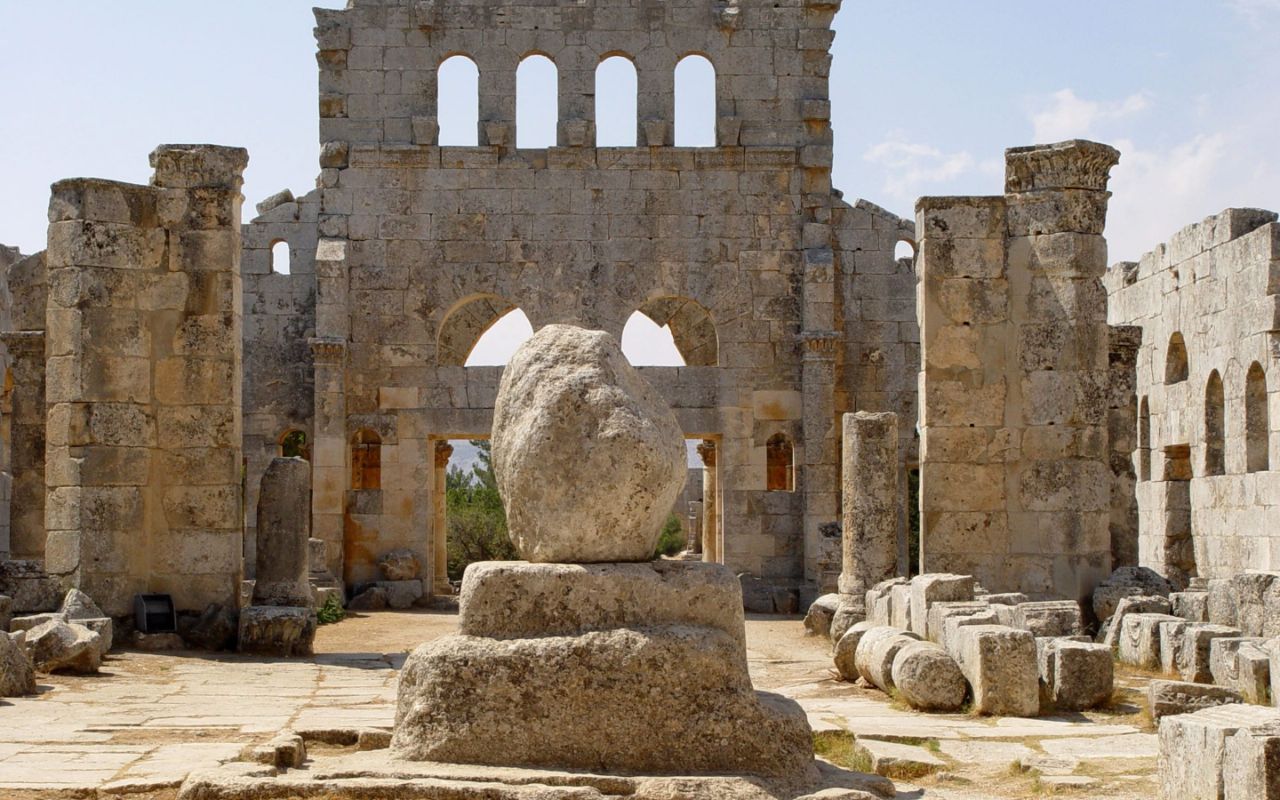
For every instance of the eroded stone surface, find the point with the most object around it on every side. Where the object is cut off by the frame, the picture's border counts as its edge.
(588, 456)
(17, 675)
(927, 678)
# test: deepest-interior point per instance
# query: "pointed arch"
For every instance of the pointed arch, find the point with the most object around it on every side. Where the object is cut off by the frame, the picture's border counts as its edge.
(1176, 367)
(1215, 462)
(692, 328)
(1257, 423)
(645, 343)
(481, 330)
(617, 110)
(537, 102)
(458, 101)
(695, 102)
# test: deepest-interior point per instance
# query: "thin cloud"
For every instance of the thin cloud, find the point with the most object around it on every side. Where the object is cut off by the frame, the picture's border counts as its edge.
(910, 167)
(1066, 115)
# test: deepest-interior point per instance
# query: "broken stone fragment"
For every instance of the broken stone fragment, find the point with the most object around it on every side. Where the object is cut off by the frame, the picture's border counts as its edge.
(58, 646)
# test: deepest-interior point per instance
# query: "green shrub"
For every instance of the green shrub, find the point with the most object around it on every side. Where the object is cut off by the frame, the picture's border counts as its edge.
(332, 611)
(672, 540)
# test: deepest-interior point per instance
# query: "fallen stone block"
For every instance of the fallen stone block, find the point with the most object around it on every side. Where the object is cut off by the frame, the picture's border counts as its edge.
(1191, 606)
(875, 663)
(846, 649)
(1139, 644)
(847, 615)
(1222, 602)
(284, 751)
(402, 595)
(58, 646)
(900, 606)
(1167, 698)
(1253, 672)
(277, 630)
(880, 601)
(817, 620)
(1132, 605)
(1049, 618)
(17, 674)
(900, 761)
(158, 642)
(936, 588)
(1194, 664)
(1251, 765)
(1000, 665)
(1075, 675)
(1193, 748)
(400, 565)
(929, 679)
(1257, 601)
(1224, 663)
(939, 613)
(1006, 599)
(953, 623)
(215, 629)
(1128, 582)
(6, 612)
(372, 599)
(1172, 636)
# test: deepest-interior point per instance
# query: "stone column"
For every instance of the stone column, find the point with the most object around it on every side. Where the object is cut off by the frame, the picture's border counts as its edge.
(26, 439)
(329, 449)
(870, 499)
(1122, 431)
(284, 535)
(710, 503)
(818, 474)
(440, 520)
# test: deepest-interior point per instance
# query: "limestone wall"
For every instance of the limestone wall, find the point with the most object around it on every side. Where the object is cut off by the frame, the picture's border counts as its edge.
(1215, 285)
(787, 303)
(1016, 480)
(25, 399)
(143, 382)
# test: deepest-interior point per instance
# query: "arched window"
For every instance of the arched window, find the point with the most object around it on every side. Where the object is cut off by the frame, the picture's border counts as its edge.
(366, 461)
(779, 459)
(499, 343)
(695, 102)
(537, 102)
(904, 249)
(1175, 362)
(1144, 440)
(1257, 425)
(687, 323)
(293, 444)
(458, 102)
(647, 344)
(1215, 462)
(616, 92)
(280, 258)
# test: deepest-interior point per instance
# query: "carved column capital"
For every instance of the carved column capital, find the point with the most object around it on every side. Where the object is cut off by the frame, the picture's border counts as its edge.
(707, 450)
(327, 350)
(444, 451)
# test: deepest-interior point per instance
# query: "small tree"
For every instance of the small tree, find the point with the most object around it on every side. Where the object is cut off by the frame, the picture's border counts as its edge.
(672, 539)
(477, 520)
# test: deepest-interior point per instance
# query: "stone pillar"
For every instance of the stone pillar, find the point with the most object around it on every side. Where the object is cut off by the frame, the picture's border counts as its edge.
(26, 438)
(284, 535)
(440, 520)
(710, 503)
(870, 498)
(1016, 480)
(143, 369)
(1122, 432)
(819, 474)
(329, 474)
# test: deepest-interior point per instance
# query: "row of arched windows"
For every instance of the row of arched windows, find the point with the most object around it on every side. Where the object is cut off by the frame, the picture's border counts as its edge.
(537, 102)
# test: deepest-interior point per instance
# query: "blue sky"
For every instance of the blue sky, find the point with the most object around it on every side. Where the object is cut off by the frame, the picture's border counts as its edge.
(925, 95)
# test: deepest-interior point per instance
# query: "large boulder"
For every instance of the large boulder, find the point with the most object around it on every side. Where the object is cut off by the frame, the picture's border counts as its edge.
(77, 606)
(817, 620)
(277, 630)
(400, 565)
(1128, 582)
(588, 457)
(927, 678)
(1167, 698)
(17, 676)
(58, 646)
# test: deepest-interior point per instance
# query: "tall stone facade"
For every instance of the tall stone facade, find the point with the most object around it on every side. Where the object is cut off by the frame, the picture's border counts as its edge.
(1207, 487)
(1016, 477)
(143, 382)
(787, 303)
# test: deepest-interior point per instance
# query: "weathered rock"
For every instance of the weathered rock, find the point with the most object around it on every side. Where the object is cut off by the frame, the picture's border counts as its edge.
(1132, 605)
(1000, 665)
(277, 630)
(105, 628)
(285, 751)
(757, 595)
(17, 675)
(939, 613)
(1191, 606)
(585, 711)
(570, 406)
(1049, 618)
(284, 530)
(952, 624)
(1128, 582)
(400, 565)
(900, 611)
(1193, 748)
(1257, 602)
(846, 650)
(158, 642)
(1224, 662)
(1222, 603)
(6, 612)
(846, 616)
(516, 599)
(1006, 599)
(936, 588)
(817, 620)
(58, 646)
(402, 595)
(877, 666)
(215, 630)
(372, 599)
(928, 678)
(77, 606)
(1251, 764)
(1172, 636)
(880, 601)
(896, 760)
(1194, 664)
(1080, 674)
(1253, 672)
(1166, 698)
(1139, 643)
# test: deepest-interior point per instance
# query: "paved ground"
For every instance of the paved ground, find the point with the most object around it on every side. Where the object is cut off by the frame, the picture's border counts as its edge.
(149, 719)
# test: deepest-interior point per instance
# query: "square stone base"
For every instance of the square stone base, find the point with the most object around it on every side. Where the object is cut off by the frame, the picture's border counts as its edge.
(277, 630)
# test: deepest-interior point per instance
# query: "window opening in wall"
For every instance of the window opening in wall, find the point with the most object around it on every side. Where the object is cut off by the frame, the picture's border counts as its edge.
(458, 102)
(904, 249)
(779, 462)
(616, 95)
(472, 523)
(366, 461)
(537, 102)
(1214, 433)
(695, 102)
(1257, 425)
(280, 257)
(1144, 440)
(293, 444)
(499, 343)
(1176, 369)
(645, 344)
(913, 521)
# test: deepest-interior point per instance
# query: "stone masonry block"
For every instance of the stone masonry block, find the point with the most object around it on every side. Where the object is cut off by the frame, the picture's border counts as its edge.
(1049, 618)
(1193, 749)
(1139, 643)
(928, 589)
(1195, 662)
(1000, 665)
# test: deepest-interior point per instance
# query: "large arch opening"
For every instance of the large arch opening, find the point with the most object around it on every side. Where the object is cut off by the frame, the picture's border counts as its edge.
(688, 325)
(458, 102)
(647, 344)
(484, 330)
